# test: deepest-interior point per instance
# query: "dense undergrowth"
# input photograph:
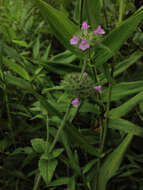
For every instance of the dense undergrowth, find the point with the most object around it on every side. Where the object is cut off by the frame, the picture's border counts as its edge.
(71, 95)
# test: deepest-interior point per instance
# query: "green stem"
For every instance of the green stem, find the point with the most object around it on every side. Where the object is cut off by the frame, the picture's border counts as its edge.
(83, 69)
(107, 109)
(47, 138)
(9, 116)
(121, 11)
(105, 129)
(38, 178)
(60, 128)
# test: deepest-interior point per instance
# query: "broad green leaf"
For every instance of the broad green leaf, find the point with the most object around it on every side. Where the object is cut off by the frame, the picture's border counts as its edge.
(77, 11)
(16, 68)
(38, 145)
(61, 68)
(117, 37)
(54, 154)
(124, 65)
(62, 27)
(92, 12)
(127, 106)
(124, 89)
(125, 126)
(47, 169)
(19, 82)
(112, 163)
(66, 57)
(58, 182)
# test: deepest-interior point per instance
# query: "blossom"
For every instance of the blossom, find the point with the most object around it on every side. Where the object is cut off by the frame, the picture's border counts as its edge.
(76, 102)
(85, 74)
(84, 45)
(98, 88)
(99, 30)
(74, 40)
(85, 26)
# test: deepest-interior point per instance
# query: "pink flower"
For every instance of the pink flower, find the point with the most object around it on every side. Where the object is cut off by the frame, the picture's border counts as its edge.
(85, 74)
(74, 40)
(99, 30)
(76, 102)
(85, 26)
(98, 88)
(84, 45)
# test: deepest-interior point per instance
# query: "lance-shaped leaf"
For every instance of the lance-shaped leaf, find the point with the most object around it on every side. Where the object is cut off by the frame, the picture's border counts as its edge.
(16, 68)
(92, 12)
(112, 162)
(61, 26)
(127, 106)
(125, 126)
(117, 37)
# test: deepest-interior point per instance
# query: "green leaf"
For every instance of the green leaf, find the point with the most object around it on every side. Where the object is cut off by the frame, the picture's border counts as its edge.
(112, 162)
(19, 82)
(58, 182)
(36, 48)
(92, 12)
(71, 157)
(71, 184)
(16, 68)
(47, 169)
(125, 126)
(65, 57)
(64, 140)
(38, 145)
(20, 43)
(89, 165)
(124, 65)
(61, 26)
(126, 107)
(54, 154)
(114, 40)
(80, 140)
(124, 89)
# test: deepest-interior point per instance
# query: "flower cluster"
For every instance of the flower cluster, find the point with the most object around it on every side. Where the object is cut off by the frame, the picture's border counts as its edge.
(79, 88)
(76, 102)
(84, 42)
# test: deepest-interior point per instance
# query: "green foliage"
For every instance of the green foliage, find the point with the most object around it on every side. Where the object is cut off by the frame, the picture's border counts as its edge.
(112, 162)
(48, 142)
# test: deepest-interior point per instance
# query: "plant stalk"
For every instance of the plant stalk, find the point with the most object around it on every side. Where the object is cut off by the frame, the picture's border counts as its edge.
(60, 128)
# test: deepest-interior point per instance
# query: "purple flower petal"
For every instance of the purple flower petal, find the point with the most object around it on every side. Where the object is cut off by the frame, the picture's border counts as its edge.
(85, 26)
(99, 30)
(85, 74)
(98, 88)
(84, 45)
(76, 102)
(74, 40)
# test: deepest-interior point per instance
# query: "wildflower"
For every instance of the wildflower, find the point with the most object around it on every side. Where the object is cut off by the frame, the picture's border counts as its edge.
(98, 88)
(74, 40)
(85, 74)
(85, 26)
(84, 45)
(99, 30)
(76, 102)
